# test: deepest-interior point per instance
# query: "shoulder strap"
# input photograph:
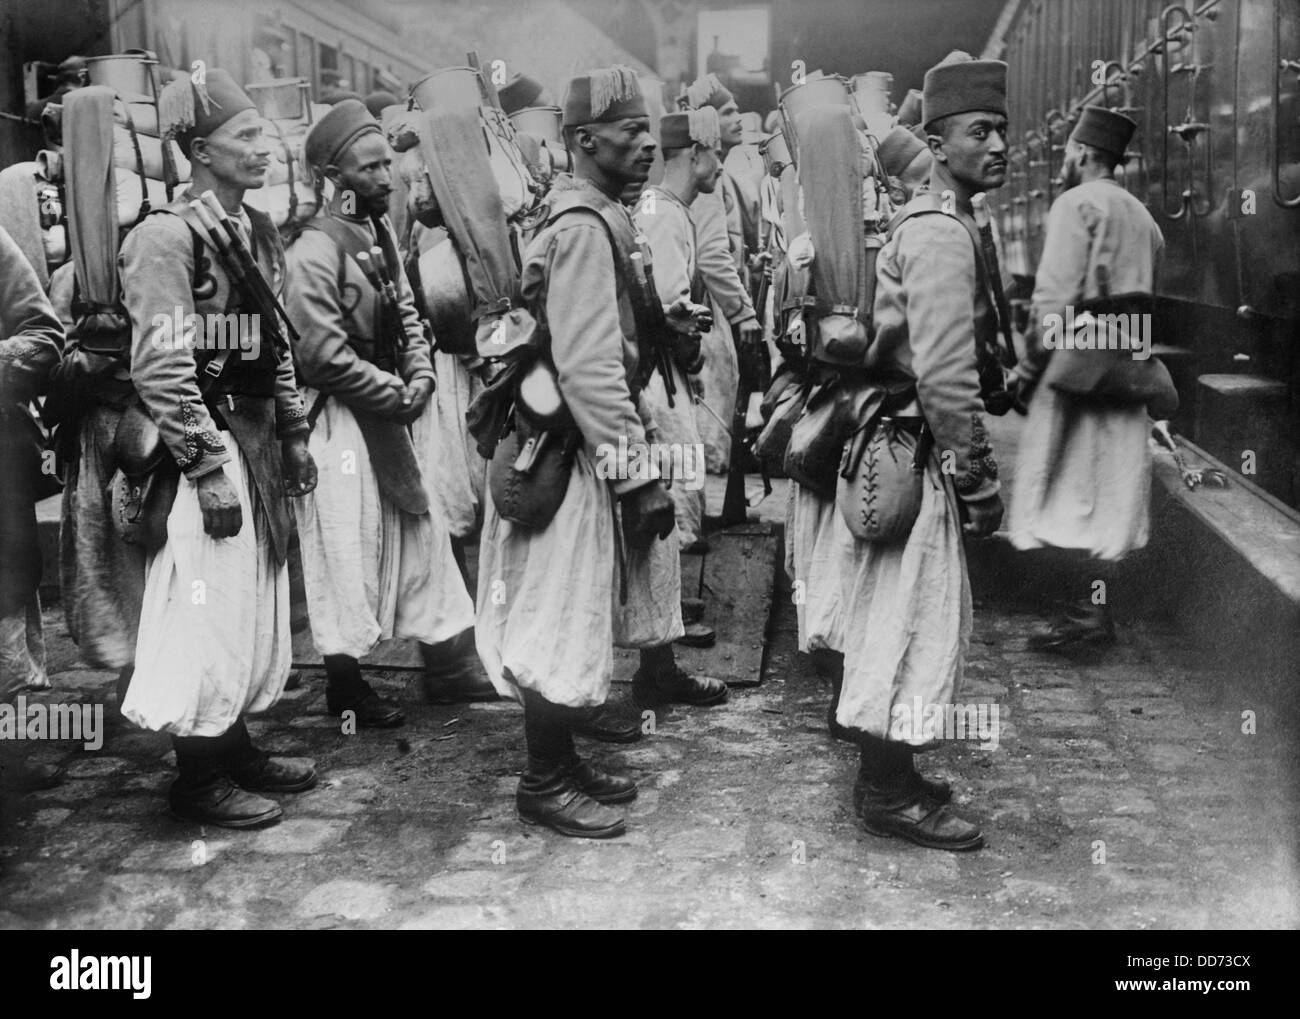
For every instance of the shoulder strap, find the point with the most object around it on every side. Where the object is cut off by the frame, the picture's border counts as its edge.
(210, 370)
(926, 203)
(347, 242)
(642, 318)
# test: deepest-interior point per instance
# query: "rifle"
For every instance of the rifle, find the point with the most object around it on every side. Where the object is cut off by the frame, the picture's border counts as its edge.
(734, 503)
(1007, 352)
(241, 264)
(657, 340)
(992, 360)
(392, 335)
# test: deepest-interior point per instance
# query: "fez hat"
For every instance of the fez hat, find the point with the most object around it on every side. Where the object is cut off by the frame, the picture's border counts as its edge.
(188, 109)
(519, 93)
(690, 127)
(898, 149)
(706, 91)
(379, 101)
(909, 114)
(604, 95)
(1104, 129)
(332, 135)
(960, 84)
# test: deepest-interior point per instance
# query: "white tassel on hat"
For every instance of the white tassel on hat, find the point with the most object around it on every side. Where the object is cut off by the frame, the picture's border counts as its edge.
(705, 127)
(610, 85)
(176, 113)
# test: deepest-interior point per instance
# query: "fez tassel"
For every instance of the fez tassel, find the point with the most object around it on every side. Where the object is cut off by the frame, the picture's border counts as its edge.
(610, 84)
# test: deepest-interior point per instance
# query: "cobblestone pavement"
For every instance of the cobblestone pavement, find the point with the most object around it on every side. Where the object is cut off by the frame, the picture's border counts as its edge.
(743, 819)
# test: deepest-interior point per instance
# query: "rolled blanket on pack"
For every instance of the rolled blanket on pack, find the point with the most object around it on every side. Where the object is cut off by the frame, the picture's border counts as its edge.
(465, 187)
(142, 116)
(91, 197)
(831, 177)
(283, 205)
(150, 155)
(130, 192)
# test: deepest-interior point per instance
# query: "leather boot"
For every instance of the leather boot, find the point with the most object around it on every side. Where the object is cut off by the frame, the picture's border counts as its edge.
(937, 789)
(661, 681)
(601, 786)
(347, 691)
(204, 791)
(895, 805)
(831, 665)
(605, 724)
(257, 771)
(452, 673)
(548, 794)
(1082, 628)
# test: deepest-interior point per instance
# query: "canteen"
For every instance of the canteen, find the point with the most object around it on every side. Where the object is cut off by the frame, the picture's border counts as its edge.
(130, 75)
(452, 88)
(542, 122)
(446, 294)
(776, 154)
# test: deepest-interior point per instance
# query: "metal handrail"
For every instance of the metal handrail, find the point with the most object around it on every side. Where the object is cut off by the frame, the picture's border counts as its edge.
(1279, 67)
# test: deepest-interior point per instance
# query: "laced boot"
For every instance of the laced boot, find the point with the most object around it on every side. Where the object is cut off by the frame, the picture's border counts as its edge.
(548, 794)
(896, 805)
(347, 691)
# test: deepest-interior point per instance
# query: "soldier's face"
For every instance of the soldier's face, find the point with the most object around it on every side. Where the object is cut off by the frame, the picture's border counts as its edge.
(708, 168)
(237, 152)
(366, 170)
(732, 128)
(624, 149)
(974, 148)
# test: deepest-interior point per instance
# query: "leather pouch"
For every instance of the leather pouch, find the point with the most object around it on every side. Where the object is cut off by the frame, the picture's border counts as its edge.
(879, 497)
(528, 475)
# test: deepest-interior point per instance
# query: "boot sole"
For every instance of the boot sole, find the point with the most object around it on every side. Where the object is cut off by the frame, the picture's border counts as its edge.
(626, 797)
(251, 822)
(660, 702)
(612, 831)
(602, 736)
(696, 641)
(466, 698)
(920, 839)
(297, 787)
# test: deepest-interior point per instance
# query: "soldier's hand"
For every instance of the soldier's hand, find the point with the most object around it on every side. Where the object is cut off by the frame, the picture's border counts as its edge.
(749, 333)
(298, 466)
(984, 516)
(219, 503)
(416, 399)
(647, 514)
(688, 318)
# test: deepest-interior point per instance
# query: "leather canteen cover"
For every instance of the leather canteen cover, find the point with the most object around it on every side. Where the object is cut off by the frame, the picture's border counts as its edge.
(1113, 377)
(782, 405)
(1149, 382)
(880, 497)
(843, 339)
(140, 507)
(444, 288)
(506, 334)
(528, 484)
(817, 443)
